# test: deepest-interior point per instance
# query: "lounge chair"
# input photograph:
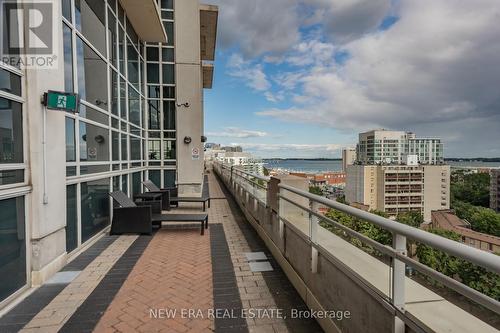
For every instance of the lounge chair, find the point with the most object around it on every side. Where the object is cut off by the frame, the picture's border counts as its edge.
(131, 218)
(174, 198)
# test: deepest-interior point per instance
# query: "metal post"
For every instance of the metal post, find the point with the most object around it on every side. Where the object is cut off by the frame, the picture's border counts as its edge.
(281, 209)
(398, 280)
(313, 234)
(44, 157)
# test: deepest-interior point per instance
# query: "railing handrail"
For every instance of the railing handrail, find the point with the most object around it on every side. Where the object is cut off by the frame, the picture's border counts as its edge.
(236, 168)
(484, 259)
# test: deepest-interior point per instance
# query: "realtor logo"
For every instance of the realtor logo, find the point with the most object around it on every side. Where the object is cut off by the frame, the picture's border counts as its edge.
(29, 35)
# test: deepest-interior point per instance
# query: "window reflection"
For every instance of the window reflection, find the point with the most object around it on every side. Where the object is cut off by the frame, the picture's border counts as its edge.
(68, 59)
(71, 218)
(10, 83)
(70, 140)
(11, 132)
(93, 143)
(90, 20)
(12, 246)
(95, 207)
(92, 78)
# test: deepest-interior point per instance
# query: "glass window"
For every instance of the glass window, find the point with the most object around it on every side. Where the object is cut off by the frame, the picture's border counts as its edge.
(93, 143)
(112, 42)
(152, 54)
(133, 66)
(154, 149)
(169, 28)
(70, 140)
(115, 145)
(125, 184)
(169, 178)
(169, 148)
(91, 75)
(121, 50)
(68, 59)
(116, 183)
(168, 74)
(90, 20)
(71, 219)
(167, 4)
(154, 114)
(167, 54)
(167, 15)
(135, 148)
(114, 92)
(153, 91)
(153, 73)
(11, 132)
(169, 115)
(168, 92)
(8, 177)
(66, 9)
(136, 183)
(123, 99)
(95, 207)
(124, 147)
(10, 82)
(134, 106)
(12, 246)
(155, 177)
(93, 114)
(131, 33)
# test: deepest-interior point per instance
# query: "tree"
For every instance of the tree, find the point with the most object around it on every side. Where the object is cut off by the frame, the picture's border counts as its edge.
(413, 219)
(473, 188)
(471, 275)
(482, 219)
(315, 190)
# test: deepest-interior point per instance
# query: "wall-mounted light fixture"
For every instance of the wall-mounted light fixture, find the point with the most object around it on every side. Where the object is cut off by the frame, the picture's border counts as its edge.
(186, 105)
(187, 140)
(203, 138)
(99, 139)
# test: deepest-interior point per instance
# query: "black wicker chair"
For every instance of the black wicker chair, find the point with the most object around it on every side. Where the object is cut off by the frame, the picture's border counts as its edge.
(167, 193)
(131, 218)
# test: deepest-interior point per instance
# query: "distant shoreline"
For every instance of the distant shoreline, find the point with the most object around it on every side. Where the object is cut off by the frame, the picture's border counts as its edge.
(451, 159)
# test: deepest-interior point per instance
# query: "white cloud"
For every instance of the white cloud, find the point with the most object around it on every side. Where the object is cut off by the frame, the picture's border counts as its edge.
(267, 150)
(258, 26)
(435, 69)
(251, 74)
(235, 132)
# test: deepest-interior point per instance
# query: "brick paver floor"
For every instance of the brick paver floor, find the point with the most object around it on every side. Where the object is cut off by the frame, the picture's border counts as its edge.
(173, 275)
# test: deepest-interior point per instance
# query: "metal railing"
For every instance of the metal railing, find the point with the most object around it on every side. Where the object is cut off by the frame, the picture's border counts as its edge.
(255, 186)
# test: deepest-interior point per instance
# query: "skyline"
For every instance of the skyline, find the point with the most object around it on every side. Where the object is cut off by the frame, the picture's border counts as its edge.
(305, 85)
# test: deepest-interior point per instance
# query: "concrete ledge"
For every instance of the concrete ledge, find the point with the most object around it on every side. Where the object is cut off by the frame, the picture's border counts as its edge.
(42, 275)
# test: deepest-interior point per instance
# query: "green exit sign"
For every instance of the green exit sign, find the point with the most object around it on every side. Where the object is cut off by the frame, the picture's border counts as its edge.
(63, 101)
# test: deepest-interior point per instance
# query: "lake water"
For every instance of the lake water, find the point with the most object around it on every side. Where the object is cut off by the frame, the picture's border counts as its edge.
(315, 166)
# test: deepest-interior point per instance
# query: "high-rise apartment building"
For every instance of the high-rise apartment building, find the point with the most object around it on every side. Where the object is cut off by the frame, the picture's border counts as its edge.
(387, 178)
(495, 189)
(139, 69)
(390, 147)
(348, 157)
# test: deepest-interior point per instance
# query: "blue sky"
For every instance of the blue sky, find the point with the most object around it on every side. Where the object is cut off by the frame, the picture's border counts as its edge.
(305, 84)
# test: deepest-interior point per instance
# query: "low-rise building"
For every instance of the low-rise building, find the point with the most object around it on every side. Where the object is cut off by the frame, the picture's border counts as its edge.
(397, 189)
(246, 161)
(447, 220)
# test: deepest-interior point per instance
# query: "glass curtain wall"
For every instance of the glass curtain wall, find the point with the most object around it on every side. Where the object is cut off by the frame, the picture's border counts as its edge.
(13, 181)
(103, 63)
(161, 103)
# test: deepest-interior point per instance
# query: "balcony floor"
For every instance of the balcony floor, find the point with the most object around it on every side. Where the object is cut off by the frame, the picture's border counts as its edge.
(135, 283)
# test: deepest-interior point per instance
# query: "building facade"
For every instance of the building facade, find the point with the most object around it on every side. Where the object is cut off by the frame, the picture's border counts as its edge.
(495, 190)
(396, 189)
(245, 161)
(447, 220)
(348, 157)
(390, 147)
(139, 70)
